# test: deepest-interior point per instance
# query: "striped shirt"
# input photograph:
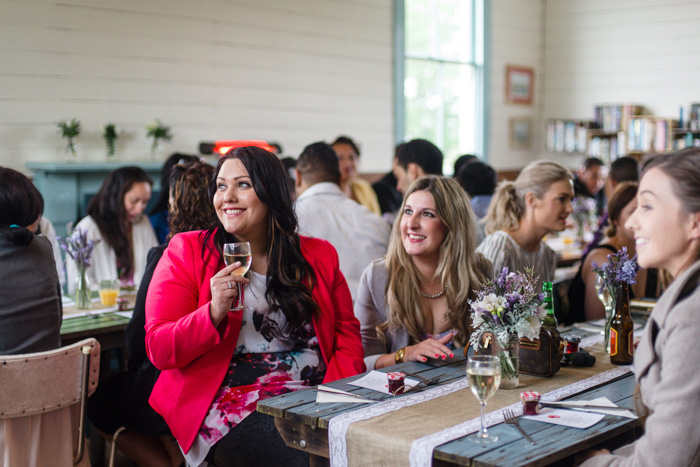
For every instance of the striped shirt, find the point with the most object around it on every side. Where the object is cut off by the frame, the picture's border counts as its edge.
(502, 250)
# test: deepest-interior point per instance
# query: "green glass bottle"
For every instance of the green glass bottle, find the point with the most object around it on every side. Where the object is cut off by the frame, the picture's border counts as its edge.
(548, 303)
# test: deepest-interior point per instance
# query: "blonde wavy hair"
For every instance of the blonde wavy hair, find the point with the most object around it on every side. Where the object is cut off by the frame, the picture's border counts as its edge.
(508, 204)
(461, 269)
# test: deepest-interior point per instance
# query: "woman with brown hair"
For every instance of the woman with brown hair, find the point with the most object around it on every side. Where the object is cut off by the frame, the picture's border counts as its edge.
(583, 296)
(413, 304)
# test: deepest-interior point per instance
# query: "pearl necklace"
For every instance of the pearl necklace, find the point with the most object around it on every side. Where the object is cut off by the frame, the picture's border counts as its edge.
(437, 295)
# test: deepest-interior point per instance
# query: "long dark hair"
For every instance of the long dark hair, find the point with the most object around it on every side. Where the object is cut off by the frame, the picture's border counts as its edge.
(290, 278)
(107, 210)
(20, 205)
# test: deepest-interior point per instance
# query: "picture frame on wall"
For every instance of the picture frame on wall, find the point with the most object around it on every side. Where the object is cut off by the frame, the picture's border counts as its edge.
(519, 84)
(520, 133)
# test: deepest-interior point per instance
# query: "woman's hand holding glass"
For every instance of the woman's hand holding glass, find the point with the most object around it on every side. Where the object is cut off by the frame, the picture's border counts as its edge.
(224, 292)
(429, 348)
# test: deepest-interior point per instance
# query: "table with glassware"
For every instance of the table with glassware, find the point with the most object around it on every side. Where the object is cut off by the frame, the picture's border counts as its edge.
(106, 324)
(438, 423)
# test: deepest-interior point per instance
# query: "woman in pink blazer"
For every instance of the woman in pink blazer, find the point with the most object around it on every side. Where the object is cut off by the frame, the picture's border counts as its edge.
(297, 329)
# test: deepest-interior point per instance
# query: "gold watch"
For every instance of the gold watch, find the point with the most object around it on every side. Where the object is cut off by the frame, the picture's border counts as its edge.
(398, 356)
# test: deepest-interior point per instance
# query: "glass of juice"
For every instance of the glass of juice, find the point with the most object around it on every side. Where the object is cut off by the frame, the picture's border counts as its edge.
(109, 291)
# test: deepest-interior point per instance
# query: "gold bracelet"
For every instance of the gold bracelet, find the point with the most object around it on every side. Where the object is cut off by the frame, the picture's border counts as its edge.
(398, 356)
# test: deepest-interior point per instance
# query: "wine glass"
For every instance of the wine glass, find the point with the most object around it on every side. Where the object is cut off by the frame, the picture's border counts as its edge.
(238, 252)
(608, 301)
(484, 376)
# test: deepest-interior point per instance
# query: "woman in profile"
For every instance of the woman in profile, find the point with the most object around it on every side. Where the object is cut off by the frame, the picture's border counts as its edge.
(30, 292)
(297, 328)
(583, 296)
(666, 226)
(413, 304)
(521, 213)
(116, 218)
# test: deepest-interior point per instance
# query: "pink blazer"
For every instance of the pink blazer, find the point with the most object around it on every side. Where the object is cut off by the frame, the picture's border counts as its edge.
(194, 356)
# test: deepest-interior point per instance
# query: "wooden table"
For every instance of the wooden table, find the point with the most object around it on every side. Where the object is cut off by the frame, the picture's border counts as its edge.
(303, 424)
(107, 328)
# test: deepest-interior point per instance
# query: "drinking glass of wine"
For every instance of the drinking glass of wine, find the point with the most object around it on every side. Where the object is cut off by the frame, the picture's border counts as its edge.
(484, 376)
(608, 301)
(238, 252)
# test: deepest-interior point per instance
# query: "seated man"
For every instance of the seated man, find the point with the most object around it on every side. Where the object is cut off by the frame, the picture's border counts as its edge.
(414, 159)
(589, 181)
(359, 235)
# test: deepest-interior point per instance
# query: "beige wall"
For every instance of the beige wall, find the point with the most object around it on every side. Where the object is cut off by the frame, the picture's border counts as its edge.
(293, 71)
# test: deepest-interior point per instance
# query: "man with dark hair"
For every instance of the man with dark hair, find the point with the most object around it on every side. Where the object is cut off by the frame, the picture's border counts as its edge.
(589, 181)
(479, 181)
(359, 235)
(415, 159)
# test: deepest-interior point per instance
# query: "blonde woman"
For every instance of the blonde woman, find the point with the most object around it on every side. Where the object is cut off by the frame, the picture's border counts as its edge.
(521, 213)
(412, 305)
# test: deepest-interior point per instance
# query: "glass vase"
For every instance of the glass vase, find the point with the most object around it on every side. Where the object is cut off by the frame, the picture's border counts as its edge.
(70, 150)
(156, 149)
(507, 353)
(83, 298)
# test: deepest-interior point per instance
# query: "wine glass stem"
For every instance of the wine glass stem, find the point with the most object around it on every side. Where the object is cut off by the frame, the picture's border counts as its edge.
(240, 294)
(482, 433)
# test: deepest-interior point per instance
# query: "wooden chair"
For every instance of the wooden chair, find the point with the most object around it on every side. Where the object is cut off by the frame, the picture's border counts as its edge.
(42, 405)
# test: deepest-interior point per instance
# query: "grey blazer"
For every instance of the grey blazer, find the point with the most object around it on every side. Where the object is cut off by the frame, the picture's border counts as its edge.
(667, 368)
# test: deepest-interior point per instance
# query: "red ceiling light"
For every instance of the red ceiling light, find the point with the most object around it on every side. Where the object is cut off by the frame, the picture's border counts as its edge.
(221, 147)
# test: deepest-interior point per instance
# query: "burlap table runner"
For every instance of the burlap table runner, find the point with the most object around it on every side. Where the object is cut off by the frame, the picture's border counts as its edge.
(387, 439)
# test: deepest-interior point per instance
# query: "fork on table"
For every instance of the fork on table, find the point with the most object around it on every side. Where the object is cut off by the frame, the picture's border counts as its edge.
(510, 419)
(424, 381)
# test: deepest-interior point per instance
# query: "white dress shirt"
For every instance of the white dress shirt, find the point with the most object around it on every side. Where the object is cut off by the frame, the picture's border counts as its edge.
(359, 235)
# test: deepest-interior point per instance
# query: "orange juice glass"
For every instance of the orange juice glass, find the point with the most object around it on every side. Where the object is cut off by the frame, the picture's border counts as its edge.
(109, 291)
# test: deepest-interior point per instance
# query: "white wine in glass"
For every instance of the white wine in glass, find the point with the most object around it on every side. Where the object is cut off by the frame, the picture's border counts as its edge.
(234, 252)
(484, 376)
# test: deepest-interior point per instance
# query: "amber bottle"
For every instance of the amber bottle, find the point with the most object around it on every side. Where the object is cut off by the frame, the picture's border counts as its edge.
(622, 329)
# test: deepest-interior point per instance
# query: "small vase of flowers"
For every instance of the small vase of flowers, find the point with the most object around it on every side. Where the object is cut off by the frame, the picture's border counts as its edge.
(79, 249)
(584, 214)
(617, 271)
(508, 309)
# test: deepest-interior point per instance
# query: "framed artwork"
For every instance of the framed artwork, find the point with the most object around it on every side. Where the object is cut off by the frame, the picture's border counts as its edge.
(520, 133)
(519, 84)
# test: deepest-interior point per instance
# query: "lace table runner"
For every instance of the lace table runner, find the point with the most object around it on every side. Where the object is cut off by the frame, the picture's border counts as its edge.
(409, 427)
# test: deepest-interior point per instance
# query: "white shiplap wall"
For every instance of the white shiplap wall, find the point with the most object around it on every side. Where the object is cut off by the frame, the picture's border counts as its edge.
(516, 37)
(637, 51)
(293, 71)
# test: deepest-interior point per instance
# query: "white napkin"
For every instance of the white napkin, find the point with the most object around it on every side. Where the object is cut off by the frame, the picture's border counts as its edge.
(598, 401)
(377, 381)
(570, 418)
(337, 395)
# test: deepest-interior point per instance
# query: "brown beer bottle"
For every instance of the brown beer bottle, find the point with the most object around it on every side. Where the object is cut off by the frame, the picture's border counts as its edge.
(622, 329)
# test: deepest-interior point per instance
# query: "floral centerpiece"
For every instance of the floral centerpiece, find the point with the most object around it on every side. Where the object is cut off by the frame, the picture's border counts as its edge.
(584, 213)
(509, 308)
(159, 132)
(69, 130)
(111, 134)
(79, 249)
(617, 272)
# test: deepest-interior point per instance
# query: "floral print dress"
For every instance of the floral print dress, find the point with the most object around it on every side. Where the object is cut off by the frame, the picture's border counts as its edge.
(271, 358)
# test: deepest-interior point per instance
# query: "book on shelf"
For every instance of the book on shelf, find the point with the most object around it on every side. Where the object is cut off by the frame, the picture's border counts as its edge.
(612, 118)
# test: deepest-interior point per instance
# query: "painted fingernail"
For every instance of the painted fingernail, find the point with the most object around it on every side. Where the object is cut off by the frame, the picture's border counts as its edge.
(425, 359)
(452, 355)
(437, 356)
(444, 357)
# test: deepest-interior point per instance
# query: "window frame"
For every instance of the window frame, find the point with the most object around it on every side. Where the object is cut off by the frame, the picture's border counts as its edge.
(481, 14)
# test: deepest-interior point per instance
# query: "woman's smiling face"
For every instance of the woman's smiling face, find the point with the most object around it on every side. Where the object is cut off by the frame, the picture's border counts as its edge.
(422, 231)
(662, 229)
(237, 205)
